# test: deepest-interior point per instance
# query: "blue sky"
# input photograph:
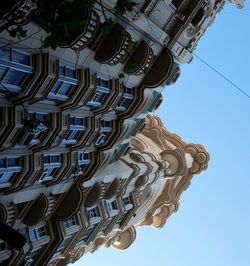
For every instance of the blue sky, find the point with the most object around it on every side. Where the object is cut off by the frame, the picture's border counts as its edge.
(212, 226)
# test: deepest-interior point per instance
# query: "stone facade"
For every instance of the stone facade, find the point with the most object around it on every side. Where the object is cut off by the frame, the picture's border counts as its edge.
(82, 164)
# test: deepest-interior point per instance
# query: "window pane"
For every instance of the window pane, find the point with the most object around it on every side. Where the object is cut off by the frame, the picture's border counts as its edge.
(5, 53)
(61, 70)
(14, 77)
(3, 163)
(20, 58)
(46, 159)
(41, 232)
(56, 86)
(73, 134)
(5, 178)
(65, 88)
(41, 117)
(70, 73)
(32, 234)
(54, 158)
(11, 162)
(3, 71)
(79, 121)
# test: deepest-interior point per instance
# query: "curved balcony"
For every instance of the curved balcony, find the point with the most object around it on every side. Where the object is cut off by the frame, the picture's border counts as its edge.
(9, 7)
(70, 204)
(114, 46)
(79, 42)
(160, 70)
(28, 7)
(140, 60)
(93, 195)
(36, 211)
(8, 214)
(112, 189)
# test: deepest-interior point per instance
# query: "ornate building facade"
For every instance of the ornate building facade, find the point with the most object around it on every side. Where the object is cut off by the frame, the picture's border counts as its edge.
(75, 171)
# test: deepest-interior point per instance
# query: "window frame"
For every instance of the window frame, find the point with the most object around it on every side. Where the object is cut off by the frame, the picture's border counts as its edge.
(38, 233)
(61, 81)
(69, 223)
(50, 167)
(10, 64)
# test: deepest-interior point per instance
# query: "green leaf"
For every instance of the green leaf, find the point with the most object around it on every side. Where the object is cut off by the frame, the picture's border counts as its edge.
(121, 75)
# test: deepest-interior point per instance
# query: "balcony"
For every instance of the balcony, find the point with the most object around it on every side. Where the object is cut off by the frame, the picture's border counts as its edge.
(160, 70)
(114, 46)
(37, 210)
(88, 33)
(140, 60)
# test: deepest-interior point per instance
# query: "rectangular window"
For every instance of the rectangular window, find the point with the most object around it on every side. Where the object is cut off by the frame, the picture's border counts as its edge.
(77, 121)
(101, 138)
(9, 162)
(50, 159)
(126, 201)
(5, 179)
(64, 85)
(67, 71)
(41, 117)
(37, 123)
(51, 165)
(105, 123)
(69, 223)
(102, 83)
(102, 89)
(93, 212)
(83, 158)
(127, 98)
(37, 233)
(8, 169)
(111, 206)
(73, 134)
(14, 67)
(128, 90)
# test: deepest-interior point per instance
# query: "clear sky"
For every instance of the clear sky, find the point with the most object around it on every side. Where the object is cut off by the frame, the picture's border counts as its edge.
(212, 226)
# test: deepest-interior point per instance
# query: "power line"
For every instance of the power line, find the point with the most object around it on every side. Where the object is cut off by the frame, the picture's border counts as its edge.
(216, 71)
(223, 76)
